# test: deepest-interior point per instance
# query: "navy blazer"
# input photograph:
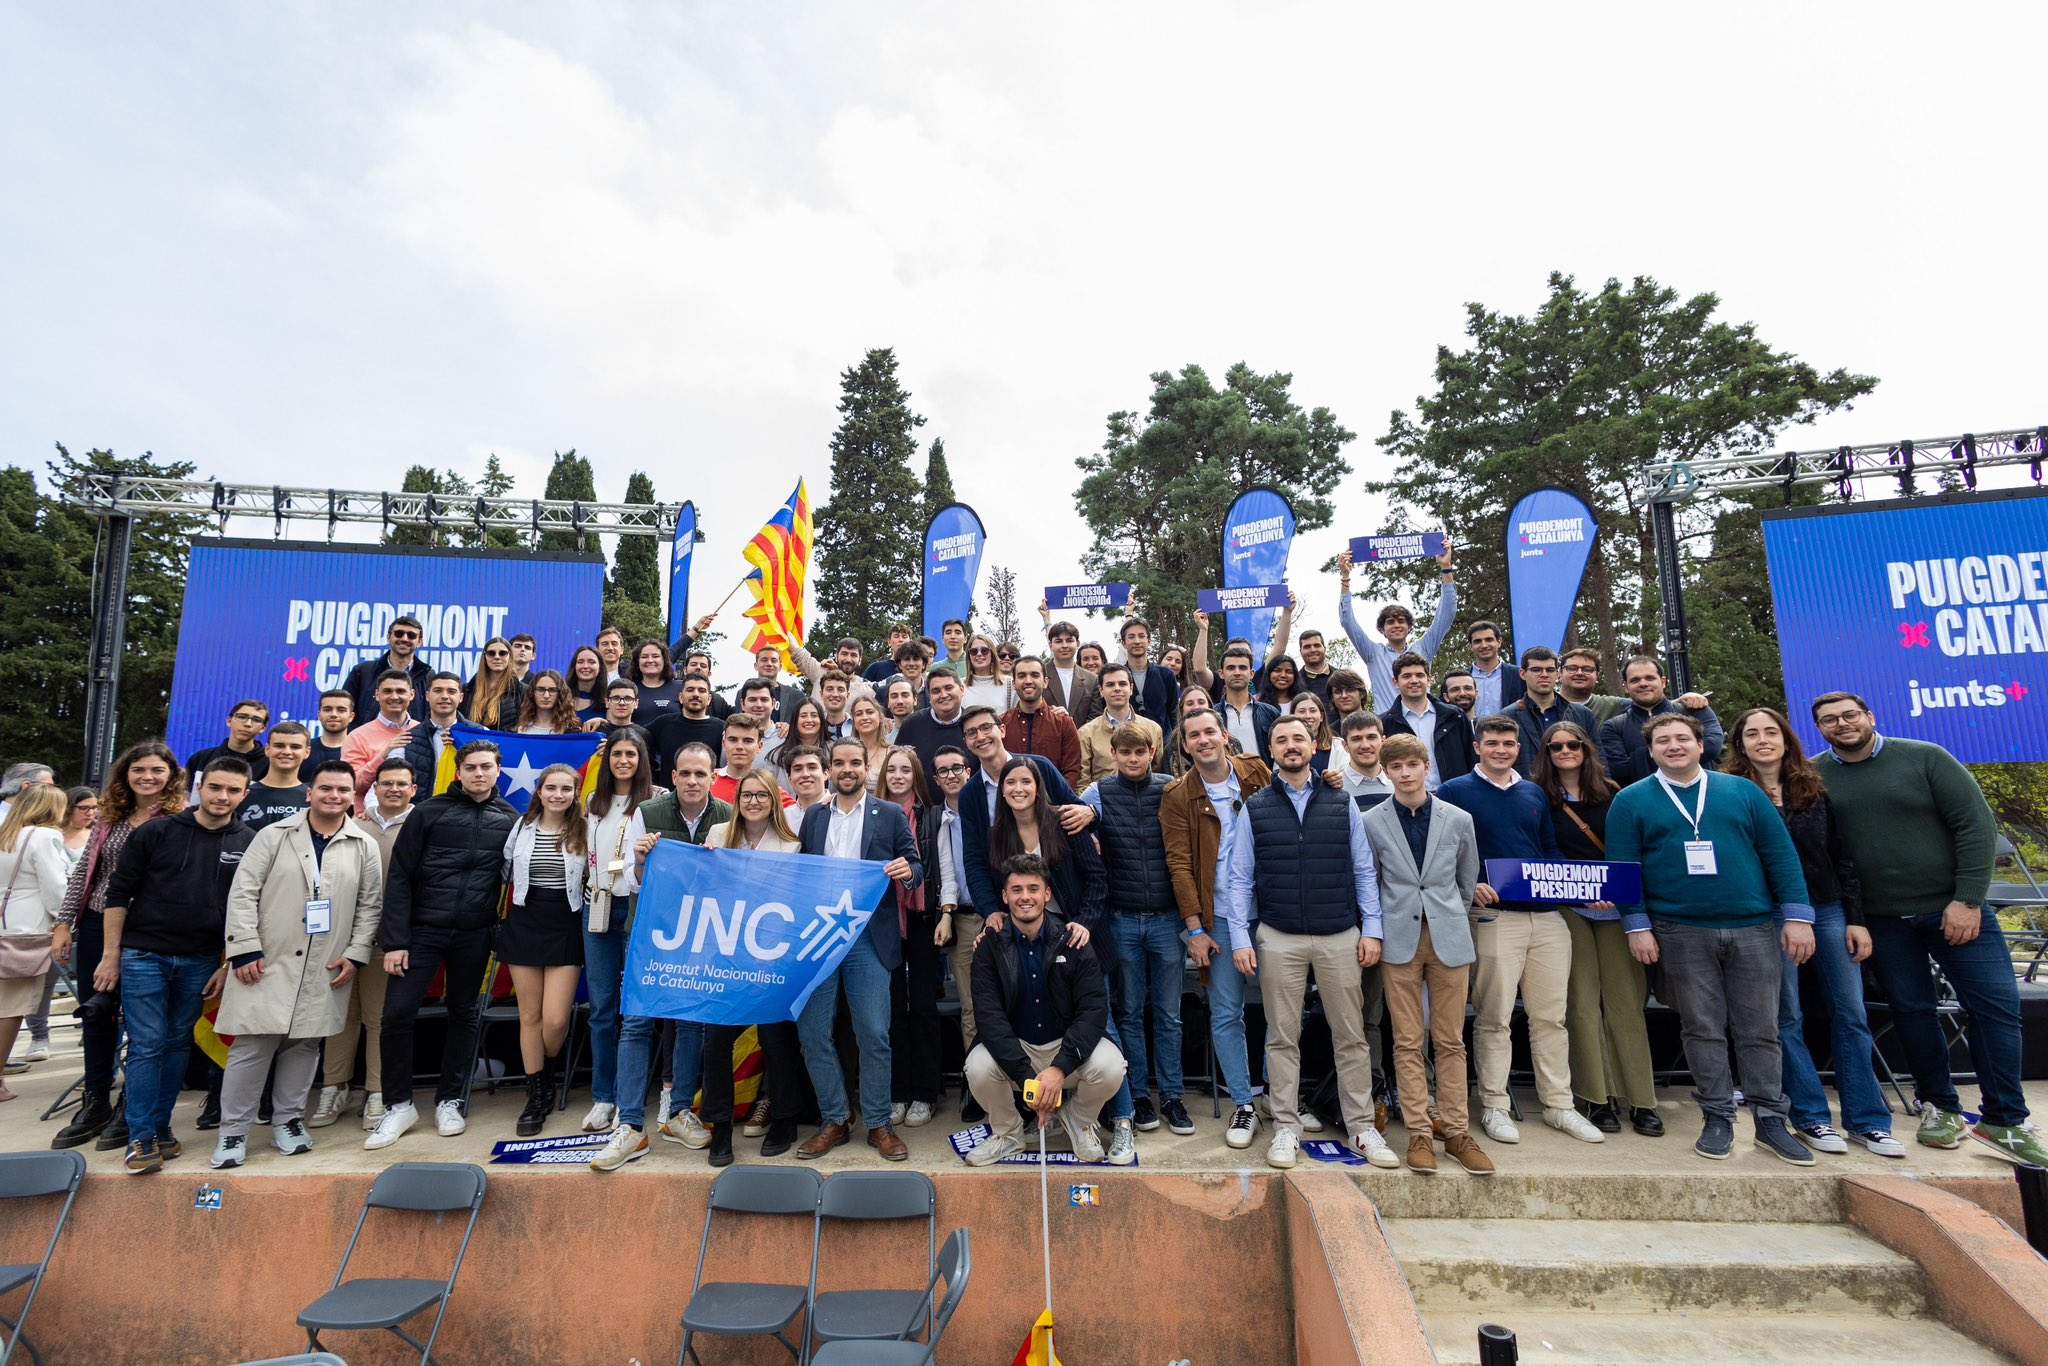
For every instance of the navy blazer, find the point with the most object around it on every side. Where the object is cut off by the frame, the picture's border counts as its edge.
(885, 835)
(1454, 742)
(974, 829)
(1160, 700)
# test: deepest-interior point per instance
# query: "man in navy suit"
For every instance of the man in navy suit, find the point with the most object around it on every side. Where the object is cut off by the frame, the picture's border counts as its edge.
(854, 825)
(981, 729)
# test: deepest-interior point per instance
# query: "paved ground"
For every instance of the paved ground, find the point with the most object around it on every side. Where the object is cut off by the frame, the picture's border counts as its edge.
(1542, 1151)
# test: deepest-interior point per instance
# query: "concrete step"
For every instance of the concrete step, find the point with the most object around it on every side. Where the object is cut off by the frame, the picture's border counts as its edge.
(1578, 1339)
(1623, 1266)
(1796, 1198)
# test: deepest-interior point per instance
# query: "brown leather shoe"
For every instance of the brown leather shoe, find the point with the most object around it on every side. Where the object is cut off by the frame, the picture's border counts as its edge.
(1469, 1154)
(1437, 1130)
(827, 1138)
(1379, 1115)
(1422, 1155)
(885, 1142)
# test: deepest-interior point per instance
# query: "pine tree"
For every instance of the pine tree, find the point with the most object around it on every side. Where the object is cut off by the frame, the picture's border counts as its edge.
(496, 483)
(869, 536)
(570, 478)
(938, 482)
(634, 591)
(418, 479)
(1002, 605)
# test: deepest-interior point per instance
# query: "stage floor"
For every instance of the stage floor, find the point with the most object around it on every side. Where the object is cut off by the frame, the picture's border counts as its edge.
(1542, 1151)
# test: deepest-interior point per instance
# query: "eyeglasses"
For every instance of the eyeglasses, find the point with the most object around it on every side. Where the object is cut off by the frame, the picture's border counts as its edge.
(1565, 746)
(547, 689)
(953, 771)
(1830, 722)
(252, 719)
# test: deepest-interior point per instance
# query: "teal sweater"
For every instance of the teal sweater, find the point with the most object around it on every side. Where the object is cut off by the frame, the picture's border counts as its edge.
(1917, 826)
(1756, 874)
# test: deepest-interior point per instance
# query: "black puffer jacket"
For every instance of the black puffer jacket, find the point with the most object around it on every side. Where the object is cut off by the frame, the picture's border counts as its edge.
(446, 867)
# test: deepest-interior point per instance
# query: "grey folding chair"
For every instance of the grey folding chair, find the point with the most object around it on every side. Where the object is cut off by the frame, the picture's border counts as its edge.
(869, 1314)
(955, 1264)
(750, 1308)
(30, 1176)
(353, 1306)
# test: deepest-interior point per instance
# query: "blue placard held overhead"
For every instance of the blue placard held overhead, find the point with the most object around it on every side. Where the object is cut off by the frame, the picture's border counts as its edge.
(953, 544)
(1259, 597)
(1421, 545)
(1550, 536)
(1565, 882)
(1258, 533)
(681, 552)
(1087, 597)
(1934, 610)
(738, 937)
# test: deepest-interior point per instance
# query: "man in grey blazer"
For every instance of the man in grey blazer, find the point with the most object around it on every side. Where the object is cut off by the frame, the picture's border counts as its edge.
(1427, 858)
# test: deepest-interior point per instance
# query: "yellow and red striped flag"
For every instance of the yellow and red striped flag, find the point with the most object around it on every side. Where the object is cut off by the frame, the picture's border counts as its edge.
(781, 555)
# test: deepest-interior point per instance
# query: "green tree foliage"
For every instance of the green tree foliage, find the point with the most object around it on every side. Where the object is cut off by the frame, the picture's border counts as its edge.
(46, 551)
(570, 478)
(938, 482)
(869, 535)
(1155, 495)
(1583, 394)
(496, 483)
(447, 486)
(1002, 606)
(636, 567)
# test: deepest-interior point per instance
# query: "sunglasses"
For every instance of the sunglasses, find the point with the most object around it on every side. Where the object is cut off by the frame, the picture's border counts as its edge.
(405, 635)
(496, 654)
(979, 650)
(1565, 746)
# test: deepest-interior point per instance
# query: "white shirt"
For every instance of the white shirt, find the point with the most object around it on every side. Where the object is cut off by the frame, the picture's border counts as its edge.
(843, 830)
(1066, 677)
(1424, 726)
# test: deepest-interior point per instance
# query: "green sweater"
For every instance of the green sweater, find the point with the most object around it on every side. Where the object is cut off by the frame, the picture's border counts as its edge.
(1756, 877)
(1916, 824)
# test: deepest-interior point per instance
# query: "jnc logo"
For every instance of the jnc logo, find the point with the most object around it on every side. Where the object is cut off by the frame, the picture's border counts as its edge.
(767, 930)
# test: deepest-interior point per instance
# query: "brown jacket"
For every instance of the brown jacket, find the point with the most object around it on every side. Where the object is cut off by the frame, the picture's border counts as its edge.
(1048, 732)
(1193, 834)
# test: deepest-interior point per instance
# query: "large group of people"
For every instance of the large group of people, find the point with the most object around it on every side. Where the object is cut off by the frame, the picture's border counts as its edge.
(1068, 835)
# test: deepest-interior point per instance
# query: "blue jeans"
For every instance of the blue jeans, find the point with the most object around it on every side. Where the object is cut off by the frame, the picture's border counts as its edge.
(1981, 973)
(1226, 1015)
(162, 996)
(1153, 961)
(866, 983)
(604, 970)
(1863, 1107)
(637, 1039)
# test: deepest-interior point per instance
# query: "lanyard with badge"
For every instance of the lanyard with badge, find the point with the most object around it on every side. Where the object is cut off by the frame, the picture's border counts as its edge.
(319, 909)
(1699, 852)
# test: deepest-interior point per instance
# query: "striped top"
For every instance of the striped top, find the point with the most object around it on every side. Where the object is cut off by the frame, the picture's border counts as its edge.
(545, 868)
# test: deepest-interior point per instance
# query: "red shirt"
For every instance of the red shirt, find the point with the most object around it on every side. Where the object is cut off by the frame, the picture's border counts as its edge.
(726, 788)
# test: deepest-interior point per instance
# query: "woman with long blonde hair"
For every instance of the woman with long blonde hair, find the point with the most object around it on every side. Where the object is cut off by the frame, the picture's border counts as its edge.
(33, 874)
(541, 937)
(491, 699)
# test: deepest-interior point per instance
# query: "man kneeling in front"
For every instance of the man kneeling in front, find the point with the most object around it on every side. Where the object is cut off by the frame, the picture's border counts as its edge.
(1040, 1012)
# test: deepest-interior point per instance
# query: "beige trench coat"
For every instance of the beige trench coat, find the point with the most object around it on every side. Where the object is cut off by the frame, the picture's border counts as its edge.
(267, 915)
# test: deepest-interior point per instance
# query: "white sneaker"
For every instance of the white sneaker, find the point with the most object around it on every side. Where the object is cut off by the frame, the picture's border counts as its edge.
(373, 1110)
(328, 1106)
(898, 1112)
(290, 1138)
(1284, 1150)
(1369, 1145)
(1082, 1135)
(1123, 1144)
(918, 1115)
(1573, 1123)
(1826, 1138)
(687, 1130)
(38, 1051)
(1882, 1143)
(392, 1127)
(601, 1118)
(667, 1108)
(231, 1151)
(1498, 1126)
(448, 1118)
(1311, 1123)
(625, 1145)
(1244, 1126)
(994, 1149)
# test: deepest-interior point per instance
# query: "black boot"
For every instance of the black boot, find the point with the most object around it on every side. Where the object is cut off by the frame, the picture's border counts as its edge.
(93, 1116)
(114, 1137)
(540, 1099)
(721, 1145)
(780, 1138)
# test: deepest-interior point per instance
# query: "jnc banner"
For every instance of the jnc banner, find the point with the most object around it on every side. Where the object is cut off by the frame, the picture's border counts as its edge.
(1565, 882)
(1934, 610)
(952, 562)
(1421, 545)
(1257, 534)
(738, 937)
(681, 551)
(282, 622)
(1086, 597)
(1550, 539)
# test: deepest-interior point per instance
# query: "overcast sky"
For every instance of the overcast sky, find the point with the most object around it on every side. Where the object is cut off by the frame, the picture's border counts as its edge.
(305, 243)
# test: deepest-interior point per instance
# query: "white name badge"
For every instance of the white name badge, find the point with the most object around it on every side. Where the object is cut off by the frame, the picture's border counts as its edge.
(319, 916)
(1699, 858)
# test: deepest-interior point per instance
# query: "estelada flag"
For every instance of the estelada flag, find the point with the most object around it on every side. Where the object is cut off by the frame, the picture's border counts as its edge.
(522, 759)
(1037, 1348)
(213, 1045)
(781, 555)
(748, 1063)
